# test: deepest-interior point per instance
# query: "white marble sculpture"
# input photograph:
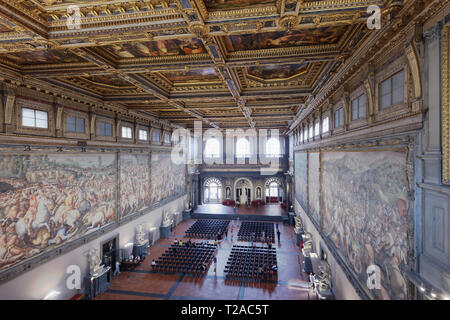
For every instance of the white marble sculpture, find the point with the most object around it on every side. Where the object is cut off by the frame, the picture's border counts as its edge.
(187, 205)
(298, 224)
(94, 262)
(307, 244)
(323, 278)
(140, 235)
(167, 219)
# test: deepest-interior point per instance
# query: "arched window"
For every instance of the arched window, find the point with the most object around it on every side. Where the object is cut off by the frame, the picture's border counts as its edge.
(242, 148)
(212, 148)
(273, 148)
(213, 190)
(273, 189)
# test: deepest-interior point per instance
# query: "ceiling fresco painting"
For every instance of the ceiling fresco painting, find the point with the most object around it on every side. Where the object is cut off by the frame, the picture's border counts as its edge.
(270, 40)
(278, 72)
(192, 76)
(173, 47)
(43, 57)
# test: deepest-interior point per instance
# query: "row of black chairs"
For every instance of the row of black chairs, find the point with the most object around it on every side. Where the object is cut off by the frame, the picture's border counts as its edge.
(207, 229)
(195, 260)
(252, 263)
(256, 231)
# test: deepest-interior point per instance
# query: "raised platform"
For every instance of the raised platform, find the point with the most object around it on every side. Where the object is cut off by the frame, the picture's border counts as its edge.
(269, 212)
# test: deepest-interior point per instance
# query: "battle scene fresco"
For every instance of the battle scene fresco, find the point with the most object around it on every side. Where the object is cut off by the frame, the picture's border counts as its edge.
(366, 214)
(52, 199)
(167, 178)
(314, 186)
(134, 183)
(301, 178)
(173, 47)
(43, 56)
(274, 71)
(234, 4)
(270, 40)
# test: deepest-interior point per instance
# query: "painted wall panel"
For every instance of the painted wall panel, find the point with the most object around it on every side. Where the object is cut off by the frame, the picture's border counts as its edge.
(167, 178)
(365, 215)
(48, 200)
(134, 183)
(301, 179)
(314, 186)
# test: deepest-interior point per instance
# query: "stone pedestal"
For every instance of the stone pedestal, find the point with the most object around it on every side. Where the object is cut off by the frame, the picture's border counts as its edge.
(186, 215)
(299, 238)
(325, 294)
(164, 232)
(291, 218)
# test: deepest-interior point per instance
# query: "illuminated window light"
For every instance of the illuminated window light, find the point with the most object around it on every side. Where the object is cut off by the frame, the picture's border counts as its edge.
(129, 244)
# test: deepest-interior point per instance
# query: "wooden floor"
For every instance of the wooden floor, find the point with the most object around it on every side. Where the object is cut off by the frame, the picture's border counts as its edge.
(142, 284)
(217, 208)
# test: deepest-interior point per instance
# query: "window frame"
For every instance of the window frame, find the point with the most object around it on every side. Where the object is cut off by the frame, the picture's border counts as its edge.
(99, 134)
(359, 107)
(212, 155)
(339, 111)
(34, 118)
(128, 129)
(242, 156)
(390, 79)
(140, 130)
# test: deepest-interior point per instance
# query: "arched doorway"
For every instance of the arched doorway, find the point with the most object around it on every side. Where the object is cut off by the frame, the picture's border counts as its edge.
(242, 190)
(274, 190)
(212, 188)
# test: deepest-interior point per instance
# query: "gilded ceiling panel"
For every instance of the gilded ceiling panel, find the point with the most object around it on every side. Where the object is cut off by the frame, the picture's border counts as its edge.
(270, 40)
(173, 47)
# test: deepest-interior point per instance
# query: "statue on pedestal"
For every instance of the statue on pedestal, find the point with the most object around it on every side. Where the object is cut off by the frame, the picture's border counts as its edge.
(307, 244)
(140, 235)
(187, 205)
(323, 278)
(94, 262)
(167, 219)
(298, 224)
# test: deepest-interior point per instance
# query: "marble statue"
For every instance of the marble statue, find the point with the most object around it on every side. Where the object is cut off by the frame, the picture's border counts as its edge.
(307, 244)
(298, 224)
(94, 262)
(323, 278)
(187, 205)
(167, 219)
(140, 235)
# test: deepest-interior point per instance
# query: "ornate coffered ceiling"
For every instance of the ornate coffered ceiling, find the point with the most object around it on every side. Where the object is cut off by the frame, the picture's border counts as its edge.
(230, 63)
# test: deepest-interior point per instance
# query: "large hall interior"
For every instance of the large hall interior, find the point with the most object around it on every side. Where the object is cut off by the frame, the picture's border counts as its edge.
(224, 149)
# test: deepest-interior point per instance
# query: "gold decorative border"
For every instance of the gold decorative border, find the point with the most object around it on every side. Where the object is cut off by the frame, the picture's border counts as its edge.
(445, 105)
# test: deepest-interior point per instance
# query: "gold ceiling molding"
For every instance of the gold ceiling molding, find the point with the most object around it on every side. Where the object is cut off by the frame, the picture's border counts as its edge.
(446, 104)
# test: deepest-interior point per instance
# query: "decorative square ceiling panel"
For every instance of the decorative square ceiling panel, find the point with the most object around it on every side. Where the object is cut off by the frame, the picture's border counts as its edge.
(270, 40)
(173, 47)
(276, 72)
